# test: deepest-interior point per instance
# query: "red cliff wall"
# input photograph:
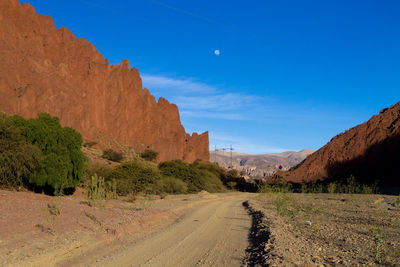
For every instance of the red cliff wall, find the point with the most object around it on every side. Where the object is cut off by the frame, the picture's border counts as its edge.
(44, 69)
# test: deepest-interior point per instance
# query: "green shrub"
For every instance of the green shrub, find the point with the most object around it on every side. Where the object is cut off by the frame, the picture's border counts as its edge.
(170, 185)
(133, 177)
(112, 155)
(317, 188)
(332, 188)
(367, 189)
(233, 173)
(352, 186)
(149, 155)
(210, 182)
(95, 168)
(182, 171)
(305, 188)
(61, 166)
(18, 159)
(98, 189)
(264, 188)
(286, 205)
(90, 144)
(211, 167)
(197, 176)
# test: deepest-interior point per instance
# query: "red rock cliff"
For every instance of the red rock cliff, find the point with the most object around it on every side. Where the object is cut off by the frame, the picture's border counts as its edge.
(368, 151)
(44, 69)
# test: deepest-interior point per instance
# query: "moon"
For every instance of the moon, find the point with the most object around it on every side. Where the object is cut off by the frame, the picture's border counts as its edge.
(217, 52)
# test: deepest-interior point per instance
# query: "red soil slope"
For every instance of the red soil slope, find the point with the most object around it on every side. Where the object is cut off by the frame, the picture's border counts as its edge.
(368, 151)
(44, 69)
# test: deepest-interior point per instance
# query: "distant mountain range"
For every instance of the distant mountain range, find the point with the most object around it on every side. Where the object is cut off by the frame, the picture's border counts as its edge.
(260, 165)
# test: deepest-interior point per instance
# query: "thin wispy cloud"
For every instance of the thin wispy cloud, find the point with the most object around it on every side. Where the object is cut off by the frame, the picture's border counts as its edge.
(183, 86)
(213, 115)
(219, 102)
(199, 100)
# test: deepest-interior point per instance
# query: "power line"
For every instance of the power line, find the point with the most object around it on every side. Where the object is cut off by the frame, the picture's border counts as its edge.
(223, 156)
(204, 18)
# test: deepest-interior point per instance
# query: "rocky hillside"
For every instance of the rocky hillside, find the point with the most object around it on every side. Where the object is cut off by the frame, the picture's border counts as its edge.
(368, 151)
(44, 69)
(261, 165)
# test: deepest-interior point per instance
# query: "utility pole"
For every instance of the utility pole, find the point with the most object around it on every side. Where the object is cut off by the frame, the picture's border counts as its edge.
(231, 157)
(215, 154)
(223, 157)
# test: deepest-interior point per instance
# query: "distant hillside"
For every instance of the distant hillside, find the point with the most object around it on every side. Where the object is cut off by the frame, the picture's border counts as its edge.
(369, 151)
(260, 165)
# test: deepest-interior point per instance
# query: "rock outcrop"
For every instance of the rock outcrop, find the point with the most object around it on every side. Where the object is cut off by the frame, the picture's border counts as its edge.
(44, 69)
(368, 151)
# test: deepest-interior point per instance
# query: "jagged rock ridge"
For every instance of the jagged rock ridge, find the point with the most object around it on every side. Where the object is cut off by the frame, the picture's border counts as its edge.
(369, 151)
(44, 69)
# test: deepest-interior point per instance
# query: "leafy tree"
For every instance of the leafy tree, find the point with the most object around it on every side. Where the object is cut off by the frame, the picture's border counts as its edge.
(18, 159)
(62, 164)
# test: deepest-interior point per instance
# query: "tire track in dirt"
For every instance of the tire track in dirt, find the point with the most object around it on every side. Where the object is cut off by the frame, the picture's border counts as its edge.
(213, 234)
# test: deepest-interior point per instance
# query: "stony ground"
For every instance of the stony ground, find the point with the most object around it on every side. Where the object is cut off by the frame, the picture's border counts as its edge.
(210, 229)
(329, 229)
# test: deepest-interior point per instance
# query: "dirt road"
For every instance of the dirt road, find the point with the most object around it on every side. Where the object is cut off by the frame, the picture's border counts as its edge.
(209, 232)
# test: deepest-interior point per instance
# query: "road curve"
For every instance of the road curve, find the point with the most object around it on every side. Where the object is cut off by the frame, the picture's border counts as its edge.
(213, 233)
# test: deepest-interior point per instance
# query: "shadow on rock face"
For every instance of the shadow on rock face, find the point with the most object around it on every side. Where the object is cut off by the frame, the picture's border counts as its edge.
(381, 161)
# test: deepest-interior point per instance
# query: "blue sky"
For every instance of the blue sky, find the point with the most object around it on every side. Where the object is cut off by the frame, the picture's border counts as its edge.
(291, 74)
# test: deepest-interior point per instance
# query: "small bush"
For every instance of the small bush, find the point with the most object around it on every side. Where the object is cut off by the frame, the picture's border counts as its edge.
(149, 155)
(98, 189)
(95, 168)
(367, 189)
(233, 173)
(286, 205)
(397, 203)
(133, 177)
(112, 155)
(332, 188)
(281, 187)
(304, 188)
(352, 186)
(89, 144)
(170, 185)
(197, 176)
(317, 188)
